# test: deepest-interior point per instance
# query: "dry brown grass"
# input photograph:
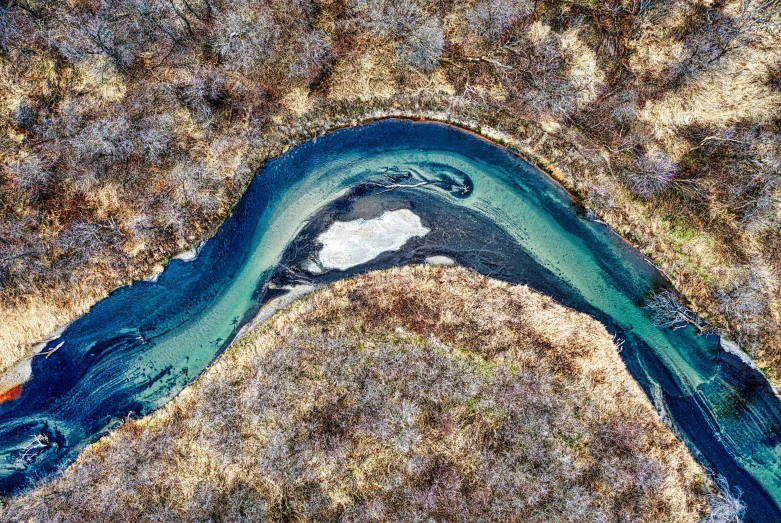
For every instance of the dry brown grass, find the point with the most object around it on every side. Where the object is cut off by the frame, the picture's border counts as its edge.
(400, 395)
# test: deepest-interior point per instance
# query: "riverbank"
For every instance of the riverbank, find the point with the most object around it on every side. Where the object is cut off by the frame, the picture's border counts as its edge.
(379, 397)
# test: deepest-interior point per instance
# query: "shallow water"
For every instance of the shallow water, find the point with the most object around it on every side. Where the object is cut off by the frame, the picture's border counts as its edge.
(486, 209)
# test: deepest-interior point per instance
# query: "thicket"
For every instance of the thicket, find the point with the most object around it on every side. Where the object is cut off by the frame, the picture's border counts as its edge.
(127, 129)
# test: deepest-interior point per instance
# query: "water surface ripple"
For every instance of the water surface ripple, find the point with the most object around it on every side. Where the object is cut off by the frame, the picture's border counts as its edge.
(486, 208)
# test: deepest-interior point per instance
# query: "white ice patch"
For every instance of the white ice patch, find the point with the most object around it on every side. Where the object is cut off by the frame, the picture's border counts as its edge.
(16, 375)
(156, 272)
(188, 255)
(312, 267)
(734, 348)
(347, 244)
(269, 309)
(440, 260)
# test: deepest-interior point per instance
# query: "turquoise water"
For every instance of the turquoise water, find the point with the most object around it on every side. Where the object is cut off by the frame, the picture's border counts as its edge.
(140, 346)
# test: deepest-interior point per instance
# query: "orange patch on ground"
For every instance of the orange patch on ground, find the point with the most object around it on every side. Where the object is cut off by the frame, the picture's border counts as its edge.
(11, 394)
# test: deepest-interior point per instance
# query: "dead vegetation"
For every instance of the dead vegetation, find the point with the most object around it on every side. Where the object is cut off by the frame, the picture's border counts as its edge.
(128, 129)
(401, 395)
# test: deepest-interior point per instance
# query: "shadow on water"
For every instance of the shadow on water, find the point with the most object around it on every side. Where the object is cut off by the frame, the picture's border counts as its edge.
(486, 208)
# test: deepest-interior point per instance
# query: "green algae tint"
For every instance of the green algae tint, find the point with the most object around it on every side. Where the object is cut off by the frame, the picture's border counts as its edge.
(140, 346)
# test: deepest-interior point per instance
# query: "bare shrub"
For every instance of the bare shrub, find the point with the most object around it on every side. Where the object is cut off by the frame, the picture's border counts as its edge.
(311, 56)
(725, 506)
(99, 76)
(172, 217)
(21, 257)
(396, 18)
(30, 173)
(141, 226)
(109, 138)
(743, 300)
(244, 37)
(655, 173)
(8, 27)
(79, 237)
(491, 18)
(424, 46)
(155, 134)
(194, 186)
(624, 438)
(188, 179)
(24, 116)
(600, 198)
(730, 31)
(81, 244)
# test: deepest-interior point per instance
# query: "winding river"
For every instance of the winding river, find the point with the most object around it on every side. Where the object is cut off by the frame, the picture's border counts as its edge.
(479, 205)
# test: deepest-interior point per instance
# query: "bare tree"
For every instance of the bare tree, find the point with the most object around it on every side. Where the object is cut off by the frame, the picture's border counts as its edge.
(655, 173)
(21, 255)
(668, 311)
(419, 37)
(80, 36)
(156, 133)
(489, 19)
(123, 30)
(187, 179)
(424, 46)
(198, 97)
(82, 243)
(79, 237)
(110, 138)
(312, 56)
(244, 37)
(724, 33)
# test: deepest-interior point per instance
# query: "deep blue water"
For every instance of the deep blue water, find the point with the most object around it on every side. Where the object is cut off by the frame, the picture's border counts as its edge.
(486, 208)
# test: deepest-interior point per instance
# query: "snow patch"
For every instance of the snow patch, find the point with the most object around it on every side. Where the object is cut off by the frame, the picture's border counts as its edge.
(733, 348)
(347, 244)
(188, 255)
(16, 375)
(440, 260)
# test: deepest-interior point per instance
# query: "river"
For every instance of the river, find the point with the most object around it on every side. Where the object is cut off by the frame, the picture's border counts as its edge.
(481, 205)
